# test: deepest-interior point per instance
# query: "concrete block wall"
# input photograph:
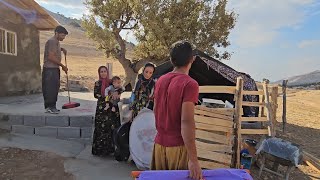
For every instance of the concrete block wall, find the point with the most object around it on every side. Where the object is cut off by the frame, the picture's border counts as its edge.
(78, 128)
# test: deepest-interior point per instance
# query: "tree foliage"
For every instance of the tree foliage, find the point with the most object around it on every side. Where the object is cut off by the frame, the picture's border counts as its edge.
(157, 24)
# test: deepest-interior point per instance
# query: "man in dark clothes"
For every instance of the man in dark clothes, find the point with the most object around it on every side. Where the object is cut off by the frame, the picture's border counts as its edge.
(51, 69)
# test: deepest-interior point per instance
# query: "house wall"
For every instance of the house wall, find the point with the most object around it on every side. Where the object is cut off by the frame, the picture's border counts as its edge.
(20, 74)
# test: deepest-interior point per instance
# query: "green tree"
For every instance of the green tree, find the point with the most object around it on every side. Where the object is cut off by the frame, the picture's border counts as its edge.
(157, 24)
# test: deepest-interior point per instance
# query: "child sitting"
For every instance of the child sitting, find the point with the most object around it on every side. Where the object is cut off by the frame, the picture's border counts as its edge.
(116, 87)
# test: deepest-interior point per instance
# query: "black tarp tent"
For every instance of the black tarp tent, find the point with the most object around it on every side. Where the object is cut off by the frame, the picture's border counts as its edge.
(209, 71)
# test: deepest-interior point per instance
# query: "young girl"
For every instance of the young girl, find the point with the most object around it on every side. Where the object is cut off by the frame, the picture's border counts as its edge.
(143, 91)
(105, 121)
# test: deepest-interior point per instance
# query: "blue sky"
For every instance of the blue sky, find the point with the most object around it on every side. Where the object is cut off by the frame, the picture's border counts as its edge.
(271, 39)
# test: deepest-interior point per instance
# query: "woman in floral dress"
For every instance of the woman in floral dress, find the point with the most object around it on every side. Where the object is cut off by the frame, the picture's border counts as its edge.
(105, 120)
(143, 92)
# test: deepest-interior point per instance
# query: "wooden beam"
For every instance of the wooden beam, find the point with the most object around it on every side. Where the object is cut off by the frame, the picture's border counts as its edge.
(261, 108)
(274, 107)
(256, 93)
(217, 89)
(214, 147)
(213, 121)
(284, 105)
(253, 119)
(221, 111)
(238, 107)
(214, 156)
(211, 165)
(210, 136)
(254, 131)
(269, 109)
(208, 127)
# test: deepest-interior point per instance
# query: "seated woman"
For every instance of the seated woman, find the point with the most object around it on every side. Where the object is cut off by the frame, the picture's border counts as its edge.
(143, 91)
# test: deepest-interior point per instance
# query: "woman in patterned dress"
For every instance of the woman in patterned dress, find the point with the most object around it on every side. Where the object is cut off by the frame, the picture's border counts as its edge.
(105, 120)
(143, 92)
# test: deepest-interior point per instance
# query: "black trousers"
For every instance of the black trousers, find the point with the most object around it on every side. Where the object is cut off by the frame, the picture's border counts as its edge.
(50, 86)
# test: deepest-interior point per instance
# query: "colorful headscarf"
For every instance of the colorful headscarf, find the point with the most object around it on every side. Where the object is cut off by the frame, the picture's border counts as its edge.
(105, 82)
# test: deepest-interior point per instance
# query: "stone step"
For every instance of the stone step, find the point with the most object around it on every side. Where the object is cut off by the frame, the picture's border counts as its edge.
(54, 131)
(55, 126)
(54, 120)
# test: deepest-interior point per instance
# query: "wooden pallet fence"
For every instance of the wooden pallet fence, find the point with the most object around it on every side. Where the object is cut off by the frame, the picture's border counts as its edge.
(215, 136)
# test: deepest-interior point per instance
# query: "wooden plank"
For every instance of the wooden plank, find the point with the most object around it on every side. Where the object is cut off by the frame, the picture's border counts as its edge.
(214, 147)
(255, 104)
(213, 121)
(211, 165)
(217, 89)
(269, 108)
(253, 119)
(254, 131)
(311, 157)
(222, 111)
(214, 114)
(229, 118)
(214, 156)
(210, 136)
(213, 128)
(257, 93)
(310, 164)
(238, 107)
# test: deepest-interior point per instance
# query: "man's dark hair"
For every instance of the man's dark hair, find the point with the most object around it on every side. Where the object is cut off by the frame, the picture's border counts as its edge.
(61, 30)
(114, 78)
(181, 53)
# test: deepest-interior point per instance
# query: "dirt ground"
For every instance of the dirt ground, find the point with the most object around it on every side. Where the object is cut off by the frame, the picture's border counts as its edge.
(19, 164)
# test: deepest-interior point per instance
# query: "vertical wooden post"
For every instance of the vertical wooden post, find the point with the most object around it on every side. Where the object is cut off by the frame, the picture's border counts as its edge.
(110, 66)
(261, 108)
(274, 107)
(238, 108)
(284, 104)
(269, 108)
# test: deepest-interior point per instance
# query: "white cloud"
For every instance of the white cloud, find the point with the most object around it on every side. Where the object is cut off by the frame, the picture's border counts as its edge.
(309, 43)
(259, 21)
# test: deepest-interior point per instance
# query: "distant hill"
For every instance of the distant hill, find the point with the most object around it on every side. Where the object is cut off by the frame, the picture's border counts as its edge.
(63, 20)
(75, 24)
(311, 78)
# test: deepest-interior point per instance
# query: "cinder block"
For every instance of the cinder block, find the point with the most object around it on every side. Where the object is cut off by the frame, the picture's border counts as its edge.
(81, 121)
(35, 121)
(46, 131)
(86, 132)
(59, 121)
(16, 119)
(69, 132)
(22, 129)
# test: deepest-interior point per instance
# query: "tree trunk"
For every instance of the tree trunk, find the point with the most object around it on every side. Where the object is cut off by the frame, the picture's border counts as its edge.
(130, 79)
